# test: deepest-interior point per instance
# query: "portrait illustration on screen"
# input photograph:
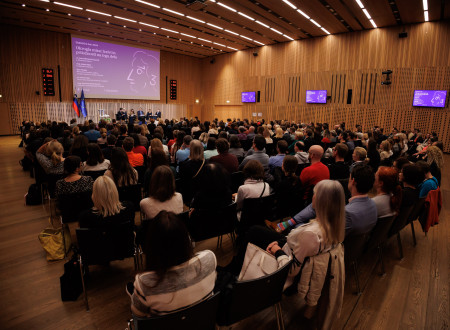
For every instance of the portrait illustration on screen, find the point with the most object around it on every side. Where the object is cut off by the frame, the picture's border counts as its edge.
(141, 76)
(438, 99)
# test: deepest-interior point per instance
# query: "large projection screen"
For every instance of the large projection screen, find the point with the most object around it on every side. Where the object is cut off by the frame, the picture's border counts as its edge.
(105, 70)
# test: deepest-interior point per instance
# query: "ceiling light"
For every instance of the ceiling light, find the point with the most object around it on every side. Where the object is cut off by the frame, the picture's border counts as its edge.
(45, 0)
(23, 5)
(425, 5)
(47, 10)
(97, 12)
(153, 26)
(276, 31)
(373, 23)
(188, 35)
(304, 14)
(287, 37)
(217, 27)
(169, 30)
(246, 16)
(290, 4)
(314, 22)
(261, 23)
(216, 43)
(196, 19)
(66, 5)
(173, 12)
(125, 19)
(227, 7)
(246, 37)
(205, 40)
(259, 43)
(148, 3)
(231, 48)
(323, 29)
(367, 14)
(426, 15)
(236, 34)
(359, 3)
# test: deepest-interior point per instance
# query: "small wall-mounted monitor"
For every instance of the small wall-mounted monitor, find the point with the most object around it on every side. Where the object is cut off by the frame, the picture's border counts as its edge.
(435, 99)
(316, 96)
(248, 97)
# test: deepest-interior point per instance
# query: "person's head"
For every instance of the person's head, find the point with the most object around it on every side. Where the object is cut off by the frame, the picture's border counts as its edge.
(128, 144)
(412, 175)
(187, 140)
(329, 204)
(120, 167)
(289, 165)
(111, 140)
(253, 170)
(299, 146)
(214, 180)
(361, 179)
(386, 182)
(435, 155)
(196, 150)
(259, 142)
(103, 132)
(424, 167)
(222, 146)
(55, 151)
(167, 244)
(80, 142)
(400, 162)
(359, 154)
(95, 155)
(157, 158)
(72, 164)
(282, 147)
(315, 153)
(105, 197)
(162, 184)
(156, 144)
(340, 150)
(385, 146)
(234, 142)
(180, 137)
(211, 145)
(123, 129)
(372, 145)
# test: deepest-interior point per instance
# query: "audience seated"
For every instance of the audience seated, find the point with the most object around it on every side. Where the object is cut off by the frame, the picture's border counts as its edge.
(430, 182)
(235, 147)
(73, 182)
(259, 143)
(161, 193)
(316, 172)
(389, 192)
(277, 161)
(111, 143)
(339, 169)
(50, 157)
(211, 150)
(435, 158)
(359, 156)
(157, 158)
(134, 159)
(79, 147)
(108, 211)
(95, 160)
(300, 153)
(120, 171)
(190, 170)
(411, 176)
(287, 185)
(174, 276)
(227, 160)
(183, 153)
(92, 134)
(373, 155)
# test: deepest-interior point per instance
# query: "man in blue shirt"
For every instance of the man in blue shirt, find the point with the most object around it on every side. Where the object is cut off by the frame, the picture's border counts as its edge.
(92, 134)
(277, 161)
(184, 152)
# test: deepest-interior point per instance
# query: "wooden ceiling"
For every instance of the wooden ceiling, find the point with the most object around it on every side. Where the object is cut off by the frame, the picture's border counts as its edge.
(206, 28)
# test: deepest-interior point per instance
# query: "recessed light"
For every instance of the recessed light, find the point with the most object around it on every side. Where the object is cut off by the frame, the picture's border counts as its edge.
(232, 32)
(66, 5)
(195, 19)
(227, 7)
(173, 11)
(125, 19)
(246, 16)
(98, 12)
(147, 3)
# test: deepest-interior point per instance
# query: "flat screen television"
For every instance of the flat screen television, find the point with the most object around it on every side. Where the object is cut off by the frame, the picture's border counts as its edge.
(248, 97)
(316, 96)
(425, 98)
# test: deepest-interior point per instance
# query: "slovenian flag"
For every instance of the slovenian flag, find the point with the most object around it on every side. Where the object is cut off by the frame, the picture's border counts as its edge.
(75, 105)
(83, 104)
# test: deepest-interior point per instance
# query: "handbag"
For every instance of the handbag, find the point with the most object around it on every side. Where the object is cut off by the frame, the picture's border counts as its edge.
(257, 263)
(52, 240)
(70, 282)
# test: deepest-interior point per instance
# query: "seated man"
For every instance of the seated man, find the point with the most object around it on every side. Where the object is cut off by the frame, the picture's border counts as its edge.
(316, 172)
(359, 156)
(300, 154)
(135, 159)
(92, 134)
(277, 161)
(183, 153)
(339, 169)
(259, 144)
(360, 212)
(430, 182)
(224, 158)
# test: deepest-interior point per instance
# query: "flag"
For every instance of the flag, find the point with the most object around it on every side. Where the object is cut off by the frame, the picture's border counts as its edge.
(75, 105)
(83, 104)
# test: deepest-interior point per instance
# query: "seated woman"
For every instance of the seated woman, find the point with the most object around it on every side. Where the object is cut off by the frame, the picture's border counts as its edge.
(73, 182)
(389, 192)
(254, 185)
(190, 170)
(161, 194)
(157, 158)
(174, 276)
(411, 176)
(95, 160)
(103, 136)
(120, 170)
(429, 183)
(79, 147)
(211, 150)
(50, 157)
(235, 147)
(107, 210)
(435, 157)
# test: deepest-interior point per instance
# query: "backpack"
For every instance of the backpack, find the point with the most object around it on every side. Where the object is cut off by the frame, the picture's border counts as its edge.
(33, 197)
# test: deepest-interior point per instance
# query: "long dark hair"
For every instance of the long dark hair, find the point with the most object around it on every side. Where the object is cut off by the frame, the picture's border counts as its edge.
(158, 158)
(162, 184)
(167, 244)
(121, 169)
(95, 155)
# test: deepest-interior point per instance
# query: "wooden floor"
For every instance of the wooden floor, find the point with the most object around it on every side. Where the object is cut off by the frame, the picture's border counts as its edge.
(414, 294)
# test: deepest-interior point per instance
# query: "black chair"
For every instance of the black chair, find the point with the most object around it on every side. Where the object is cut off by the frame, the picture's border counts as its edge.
(354, 247)
(208, 223)
(270, 149)
(255, 211)
(216, 136)
(141, 173)
(250, 297)
(379, 236)
(201, 315)
(246, 144)
(132, 193)
(399, 223)
(94, 174)
(196, 135)
(344, 183)
(237, 180)
(300, 168)
(415, 214)
(99, 246)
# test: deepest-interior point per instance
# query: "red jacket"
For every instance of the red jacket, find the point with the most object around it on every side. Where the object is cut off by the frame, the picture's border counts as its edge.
(432, 208)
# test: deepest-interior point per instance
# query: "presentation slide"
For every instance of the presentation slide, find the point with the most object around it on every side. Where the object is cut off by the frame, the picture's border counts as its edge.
(429, 98)
(316, 96)
(248, 97)
(105, 70)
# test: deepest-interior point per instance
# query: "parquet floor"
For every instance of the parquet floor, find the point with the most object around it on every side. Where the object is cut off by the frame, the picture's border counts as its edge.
(414, 294)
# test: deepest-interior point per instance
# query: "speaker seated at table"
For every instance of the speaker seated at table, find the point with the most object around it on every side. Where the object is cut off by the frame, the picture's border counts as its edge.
(148, 115)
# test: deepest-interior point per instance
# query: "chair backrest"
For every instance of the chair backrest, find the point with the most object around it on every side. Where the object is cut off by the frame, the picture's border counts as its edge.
(202, 315)
(256, 210)
(237, 180)
(141, 173)
(300, 168)
(208, 223)
(344, 183)
(417, 210)
(246, 144)
(354, 247)
(51, 183)
(379, 234)
(101, 245)
(401, 220)
(71, 205)
(132, 193)
(250, 297)
(94, 174)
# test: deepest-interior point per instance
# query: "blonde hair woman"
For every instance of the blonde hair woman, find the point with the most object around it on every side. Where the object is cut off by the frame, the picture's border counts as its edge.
(204, 138)
(435, 158)
(385, 150)
(50, 157)
(102, 139)
(279, 133)
(108, 210)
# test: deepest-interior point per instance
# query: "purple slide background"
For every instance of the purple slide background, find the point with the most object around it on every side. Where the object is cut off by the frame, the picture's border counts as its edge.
(248, 97)
(316, 96)
(106, 70)
(425, 98)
